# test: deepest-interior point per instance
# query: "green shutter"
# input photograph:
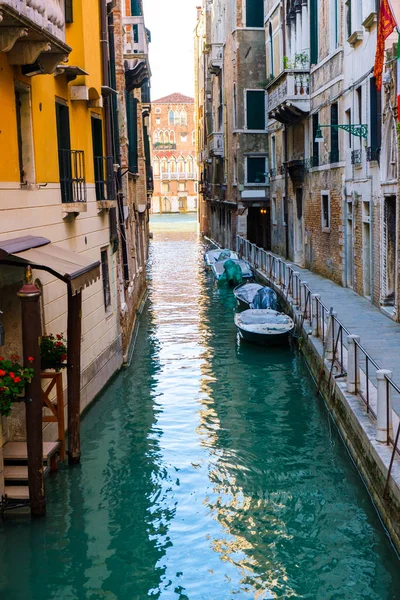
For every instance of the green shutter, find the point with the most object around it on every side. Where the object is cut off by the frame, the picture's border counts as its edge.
(131, 115)
(313, 32)
(69, 15)
(135, 8)
(334, 133)
(255, 110)
(254, 13)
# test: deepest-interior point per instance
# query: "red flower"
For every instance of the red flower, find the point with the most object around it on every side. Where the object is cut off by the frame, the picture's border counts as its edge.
(16, 379)
(11, 374)
(63, 357)
(59, 336)
(15, 357)
(1, 358)
(30, 358)
(2, 373)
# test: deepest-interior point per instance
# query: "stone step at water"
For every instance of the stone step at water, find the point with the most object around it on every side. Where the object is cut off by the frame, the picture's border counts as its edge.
(18, 472)
(17, 451)
(16, 492)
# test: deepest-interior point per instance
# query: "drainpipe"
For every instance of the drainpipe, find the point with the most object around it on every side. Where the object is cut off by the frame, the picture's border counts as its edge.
(106, 82)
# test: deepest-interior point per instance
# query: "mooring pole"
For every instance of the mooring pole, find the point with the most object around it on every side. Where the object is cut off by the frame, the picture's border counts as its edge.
(74, 376)
(31, 331)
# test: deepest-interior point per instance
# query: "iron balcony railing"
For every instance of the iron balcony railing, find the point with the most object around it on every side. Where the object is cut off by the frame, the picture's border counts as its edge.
(334, 156)
(356, 157)
(164, 146)
(104, 178)
(373, 154)
(72, 175)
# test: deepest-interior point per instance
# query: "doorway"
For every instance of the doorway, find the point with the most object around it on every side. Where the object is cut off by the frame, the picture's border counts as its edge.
(349, 245)
(64, 152)
(97, 143)
(366, 241)
(259, 226)
(389, 248)
(298, 228)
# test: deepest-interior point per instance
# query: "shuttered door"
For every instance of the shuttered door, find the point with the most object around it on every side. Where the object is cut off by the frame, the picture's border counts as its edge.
(254, 13)
(256, 110)
(135, 8)
(69, 15)
(313, 32)
(131, 115)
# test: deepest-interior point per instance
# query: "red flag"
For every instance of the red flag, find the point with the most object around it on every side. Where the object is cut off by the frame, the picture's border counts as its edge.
(386, 25)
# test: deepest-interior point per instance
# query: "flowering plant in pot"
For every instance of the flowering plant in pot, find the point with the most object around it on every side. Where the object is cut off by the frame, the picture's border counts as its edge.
(13, 377)
(53, 351)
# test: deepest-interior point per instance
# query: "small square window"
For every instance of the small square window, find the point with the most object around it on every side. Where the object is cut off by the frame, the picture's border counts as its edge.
(325, 212)
(158, 111)
(158, 121)
(256, 169)
(183, 137)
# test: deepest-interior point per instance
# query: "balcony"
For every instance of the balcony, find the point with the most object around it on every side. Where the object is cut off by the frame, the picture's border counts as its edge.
(136, 52)
(72, 177)
(164, 146)
(104, 180)
(187, 175)
(215, 59)
(289, 96)
(356, 157)
(32, 33)
(216, 144)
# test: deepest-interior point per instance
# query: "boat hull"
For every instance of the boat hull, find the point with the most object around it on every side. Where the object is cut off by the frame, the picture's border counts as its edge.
(264, 339)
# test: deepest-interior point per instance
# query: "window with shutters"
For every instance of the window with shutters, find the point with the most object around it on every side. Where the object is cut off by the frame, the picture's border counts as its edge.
(325, 211)
(69, 15)
(315, 145)
(255, 110)
(254, 13)
(106, 279)
(334, 134)
(375, 124)
(313, 32)
(131, 116)
(135, 8)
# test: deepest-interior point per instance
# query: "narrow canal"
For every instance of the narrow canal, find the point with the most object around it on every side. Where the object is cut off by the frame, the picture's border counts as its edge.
(210, 471)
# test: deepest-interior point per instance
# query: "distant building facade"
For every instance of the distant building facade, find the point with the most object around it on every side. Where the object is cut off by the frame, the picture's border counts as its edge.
(172, 131)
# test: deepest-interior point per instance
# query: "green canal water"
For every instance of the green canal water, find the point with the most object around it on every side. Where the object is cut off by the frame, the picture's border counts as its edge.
(210, 471)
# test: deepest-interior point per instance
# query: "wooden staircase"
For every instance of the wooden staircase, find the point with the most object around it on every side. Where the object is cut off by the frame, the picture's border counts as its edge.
(15, 458)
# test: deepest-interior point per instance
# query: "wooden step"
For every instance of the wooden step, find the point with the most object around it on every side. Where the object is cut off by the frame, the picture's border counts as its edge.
(18, 472)
(18, 451)
(16, 492)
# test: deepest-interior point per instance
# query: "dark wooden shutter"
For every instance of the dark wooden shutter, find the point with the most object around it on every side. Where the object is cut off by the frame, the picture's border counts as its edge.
(255, 111)
(375, 117)
(69, 15)
(135, 8)
(315, 125)
(334, 133)
(131, 115)
(255, 13)
(256, 169)
(313, 32)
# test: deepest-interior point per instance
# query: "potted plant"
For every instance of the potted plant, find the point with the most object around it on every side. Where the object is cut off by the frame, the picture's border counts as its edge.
(53, 351)
(13, 377)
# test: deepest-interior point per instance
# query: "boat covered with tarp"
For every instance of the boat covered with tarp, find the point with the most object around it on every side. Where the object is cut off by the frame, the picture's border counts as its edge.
(230, 270)
(213, 256)
(245, 292)
(264, 326)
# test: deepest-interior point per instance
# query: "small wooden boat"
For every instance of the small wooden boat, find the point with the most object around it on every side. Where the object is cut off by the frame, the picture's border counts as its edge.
(266, 326)
(245, 293)
(213, 256)
(218, 268)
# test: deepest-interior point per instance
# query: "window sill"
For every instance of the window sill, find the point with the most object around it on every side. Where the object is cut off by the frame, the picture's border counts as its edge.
(325, 229)
(74, 208)
(355, 38)
(370, 21)
(105, 204)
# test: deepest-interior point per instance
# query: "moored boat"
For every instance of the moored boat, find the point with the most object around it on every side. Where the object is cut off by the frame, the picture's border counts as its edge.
(218, 268)
(264, 326)
(245, 293)
(213, 256)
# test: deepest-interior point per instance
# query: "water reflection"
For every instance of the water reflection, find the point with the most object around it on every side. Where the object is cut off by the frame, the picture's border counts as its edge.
(210, 471)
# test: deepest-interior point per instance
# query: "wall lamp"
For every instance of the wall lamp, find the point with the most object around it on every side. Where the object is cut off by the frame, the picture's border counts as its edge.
(360, 131)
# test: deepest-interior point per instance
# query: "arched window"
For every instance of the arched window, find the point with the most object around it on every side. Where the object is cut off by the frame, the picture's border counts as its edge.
(165, 205)
(164, 165)
(193, 137)
(183, 117)
(156, 136)
(171, 117)
(173, 165)
(156, 166)
(189, 164)
(163, 137)
(172, 137)
(181, 164)
(271, 51)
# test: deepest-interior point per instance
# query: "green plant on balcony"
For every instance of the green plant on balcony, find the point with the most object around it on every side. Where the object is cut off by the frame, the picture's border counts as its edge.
(301, 60)
(13, 378)
(286, 63)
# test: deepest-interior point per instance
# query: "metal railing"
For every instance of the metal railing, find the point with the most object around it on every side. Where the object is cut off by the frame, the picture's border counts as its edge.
(356, 157)
(104, 178)
(348, 358)
(72, 176)
(373, 154)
